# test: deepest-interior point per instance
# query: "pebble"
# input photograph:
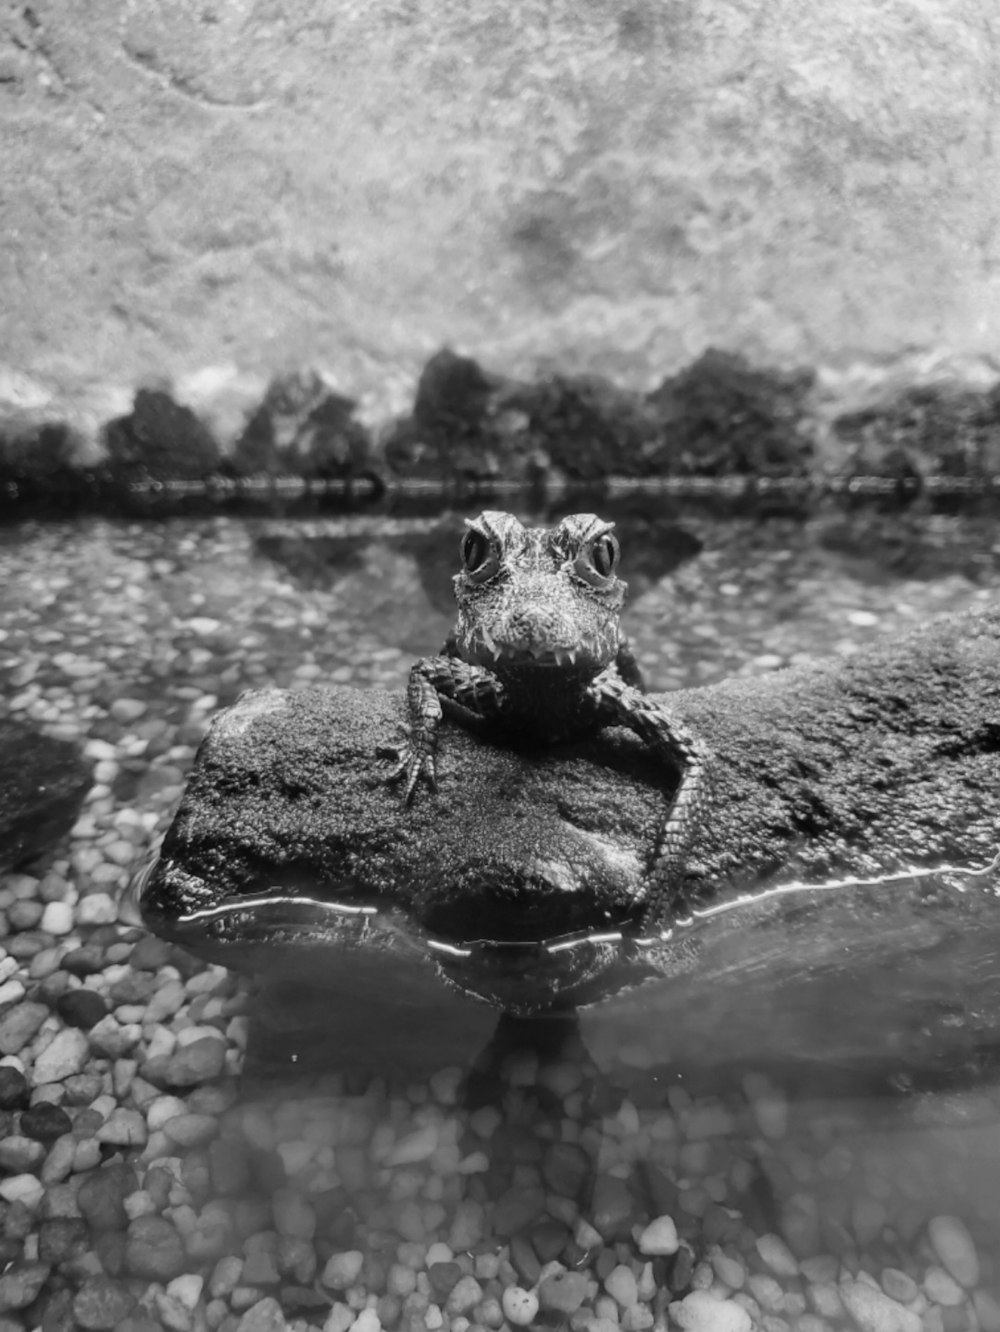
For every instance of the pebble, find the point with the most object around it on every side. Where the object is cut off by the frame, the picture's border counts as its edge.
(343, 1269)
(19, 1024)
(45, 1122)
(951, 1241)
(264, 1316)
(14, 1092)
(154, 1249)
(82, 1008)
(22, 1188)
(102, 1303)
(66, 1054)
(20, 1284)
(873, 1311)
(58, 919)
(464, 1296)
(520, 1306)
(942, 1288)
(701, 1312)
(123, 1128)
(563, 1292)
(620, 1283)
(775, 1254)
(659, 1237)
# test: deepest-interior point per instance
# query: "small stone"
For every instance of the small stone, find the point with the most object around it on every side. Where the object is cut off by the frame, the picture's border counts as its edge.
(520, 1306)
(14, 1091)
(414, 1147)
(659, 1237)
(97, 909)
(101, 1303)
(899, 1286)
(874, 1311)
(200, 1061)
(19, 1024)
(620, 1283)
(19, 1154)
(612, 1208)
(191, 1130)
(102, 1197)
(264, 1316)
(701, 1312)
(566, 1168)
(367, 1321)
(339, 1319)
(951, 1241)
(942, 1288)
(776, 1255)
(444, 1277)
(154, 1249)
(21, 1284)
(343, 1269)
(465, 1295)
(128, 709)
(22, 1188)
(67, 1054)
(82, 1008)
(123, 1128)
(57, 919)
(525, 1260)
(294, 1215)
(563, 1292)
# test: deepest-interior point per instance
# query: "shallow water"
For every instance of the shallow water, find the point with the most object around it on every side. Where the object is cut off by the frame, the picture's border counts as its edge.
(826, 1077)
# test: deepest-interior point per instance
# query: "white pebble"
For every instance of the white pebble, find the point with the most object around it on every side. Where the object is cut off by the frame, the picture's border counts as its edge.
(776, 1255)
(367, 1321)
(343, 1269)
(951, 1241)
(702, 1312)
(875, 1312)
(186, 1289)
(97, 909)
(416, 1146)
(520, 1306)
(659, 1237)
(22, 1188)
(940, 1288)
(57, 918)
(620, 1283)
(439, 1252)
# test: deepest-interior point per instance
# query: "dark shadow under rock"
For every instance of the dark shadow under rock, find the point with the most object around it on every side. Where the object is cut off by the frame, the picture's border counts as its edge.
(42, 785)
(290, 850)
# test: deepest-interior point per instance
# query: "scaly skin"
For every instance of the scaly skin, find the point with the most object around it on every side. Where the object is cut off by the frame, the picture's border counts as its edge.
(538, 648)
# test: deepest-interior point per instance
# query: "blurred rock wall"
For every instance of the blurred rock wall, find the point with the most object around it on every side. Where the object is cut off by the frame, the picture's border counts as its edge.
(607, 185)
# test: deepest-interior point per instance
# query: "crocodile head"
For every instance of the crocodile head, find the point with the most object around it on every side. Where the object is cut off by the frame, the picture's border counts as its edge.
(539, 600)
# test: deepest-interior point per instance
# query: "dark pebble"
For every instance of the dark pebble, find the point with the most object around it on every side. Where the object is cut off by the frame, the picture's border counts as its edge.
(109, 1246)
(612, 1208)
(14, 1093)
(444, 1277)
(85, 961)
(549, 1238)
(45, 1122)
(102, 1195)
(516, 1210)
(82, 1088)
(566, 1168)
(605, 1263)
(54, 1311)
(102, 1303)
(525, 1260)
(62, 1238)
(154, 1249)
(149, 954)
(82, 1008)
(681, 1270)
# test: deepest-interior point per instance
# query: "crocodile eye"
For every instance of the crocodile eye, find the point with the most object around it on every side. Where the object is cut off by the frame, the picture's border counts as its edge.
(475, 551)
(604, 555)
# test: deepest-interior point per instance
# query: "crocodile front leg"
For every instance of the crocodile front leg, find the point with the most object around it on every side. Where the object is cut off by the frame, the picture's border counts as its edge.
(621, 704)
(470, 690)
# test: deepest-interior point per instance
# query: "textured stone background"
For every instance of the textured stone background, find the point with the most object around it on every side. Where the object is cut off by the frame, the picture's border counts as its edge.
(572, 184)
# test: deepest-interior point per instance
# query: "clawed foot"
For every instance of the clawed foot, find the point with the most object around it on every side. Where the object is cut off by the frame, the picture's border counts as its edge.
(413, 762)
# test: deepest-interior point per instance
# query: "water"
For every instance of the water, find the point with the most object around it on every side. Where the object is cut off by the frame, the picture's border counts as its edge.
(819, 1067)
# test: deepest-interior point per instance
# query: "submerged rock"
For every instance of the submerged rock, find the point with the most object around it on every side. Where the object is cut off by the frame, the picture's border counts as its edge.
(290, 850)
(42, 785)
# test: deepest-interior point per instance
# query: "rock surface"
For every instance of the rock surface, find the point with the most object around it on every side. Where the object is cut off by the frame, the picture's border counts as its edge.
(608, 189)
(42, 785)
(880, 763)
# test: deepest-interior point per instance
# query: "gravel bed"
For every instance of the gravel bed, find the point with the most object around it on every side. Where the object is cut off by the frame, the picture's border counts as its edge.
(143, 1187)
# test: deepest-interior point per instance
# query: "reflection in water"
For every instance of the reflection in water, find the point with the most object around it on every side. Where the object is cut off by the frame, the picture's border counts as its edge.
(802, 1131)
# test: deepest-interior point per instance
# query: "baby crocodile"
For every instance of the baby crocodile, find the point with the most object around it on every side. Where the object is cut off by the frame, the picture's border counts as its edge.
(537, 649)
